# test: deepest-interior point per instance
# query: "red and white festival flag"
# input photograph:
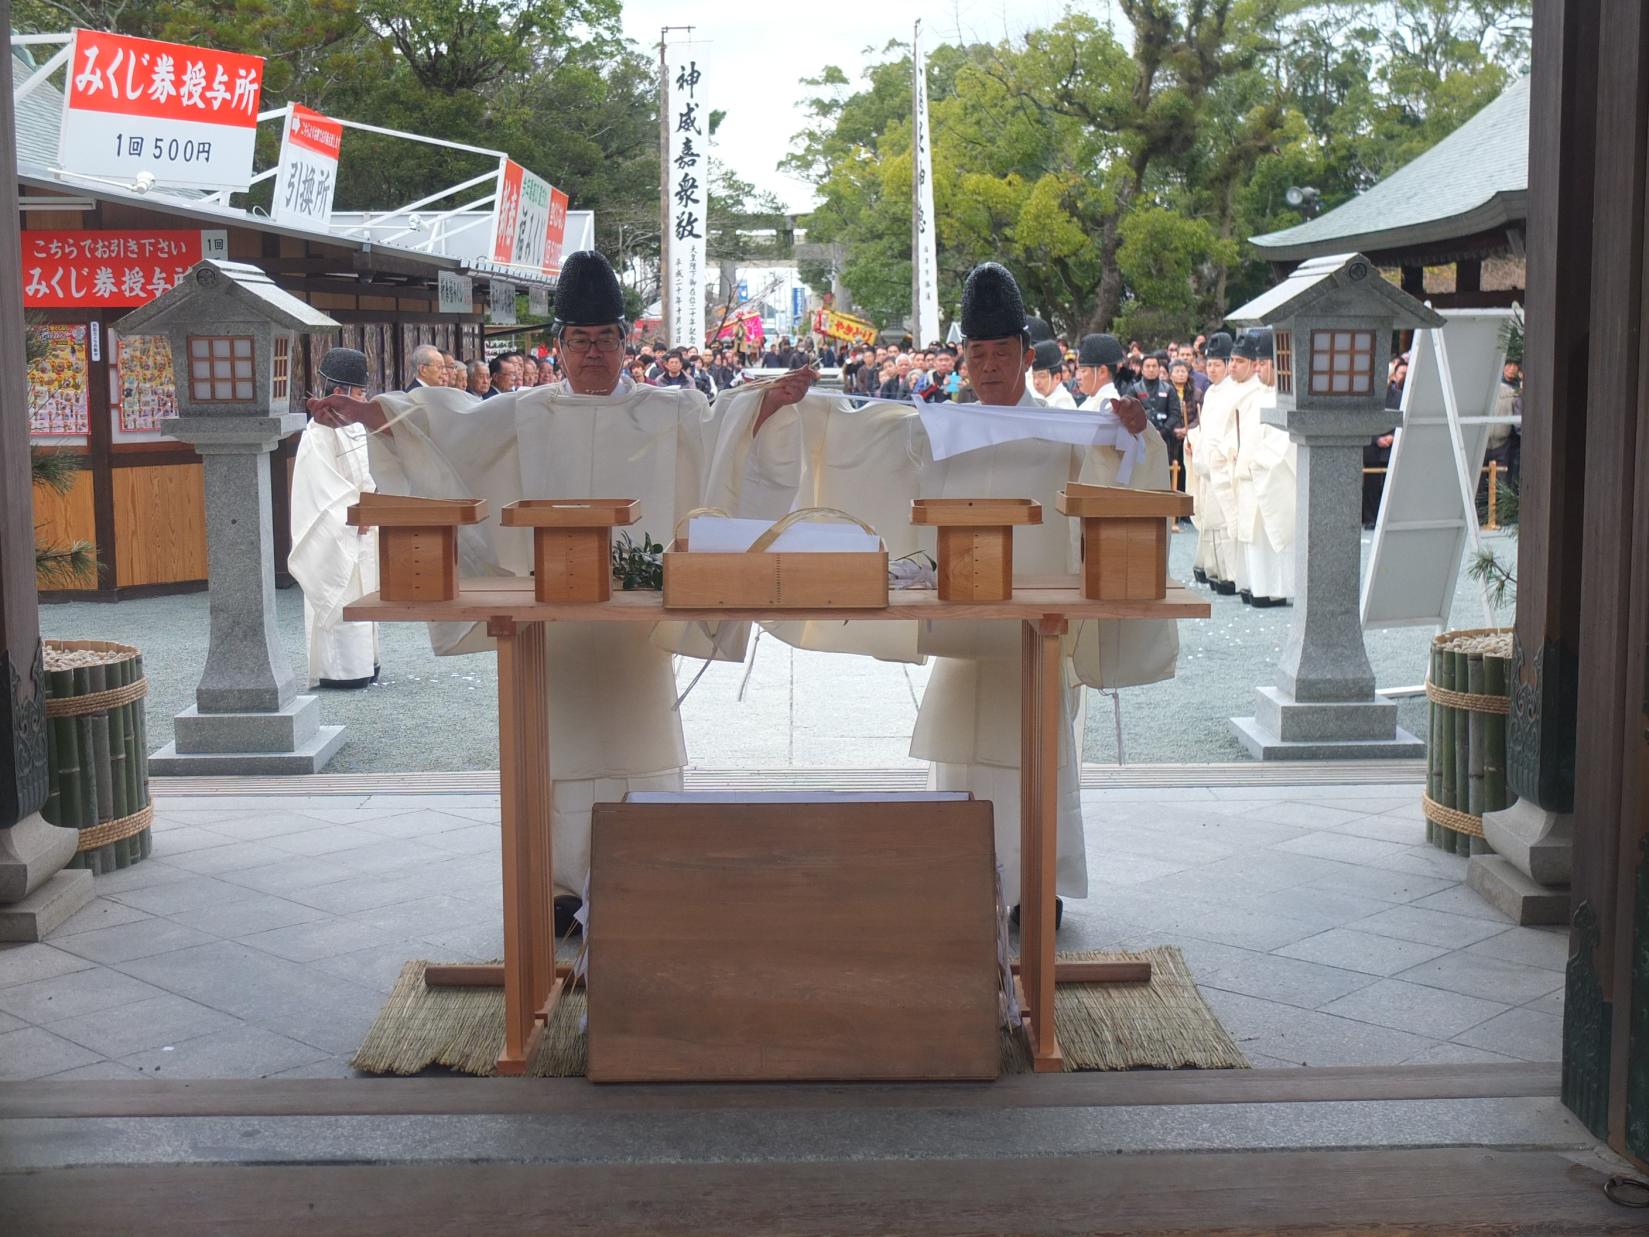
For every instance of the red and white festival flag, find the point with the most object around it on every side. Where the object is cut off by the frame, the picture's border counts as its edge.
(529, 221)
(84, 270)
(308, 174)
(186, 115)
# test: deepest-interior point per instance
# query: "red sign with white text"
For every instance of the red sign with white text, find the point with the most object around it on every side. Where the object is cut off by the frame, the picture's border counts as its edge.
(186, 115)
(529, 221)
(315, 132)
(81, 270)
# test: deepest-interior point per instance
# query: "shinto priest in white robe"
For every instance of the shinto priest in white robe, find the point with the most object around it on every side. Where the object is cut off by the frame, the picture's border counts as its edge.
(1265, 471)
(871, 460)
(1213, 462)
(333, 563)
(613, 723)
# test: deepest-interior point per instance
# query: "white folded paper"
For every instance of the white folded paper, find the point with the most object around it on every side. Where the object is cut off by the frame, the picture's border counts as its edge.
(955, 428)
(718, 534)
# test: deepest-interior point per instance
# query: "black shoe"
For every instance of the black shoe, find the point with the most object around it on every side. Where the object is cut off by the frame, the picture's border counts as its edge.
(349, 684)
(1224, 588)
(1247, 597)
(566, 906)
(1199, 575)
(1059, 914)
(1265, 603)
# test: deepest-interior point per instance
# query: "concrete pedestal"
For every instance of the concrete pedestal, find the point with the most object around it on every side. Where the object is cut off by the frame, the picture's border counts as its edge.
(1528, 875)
(35, 893)
(248, 717)
(1323, 706)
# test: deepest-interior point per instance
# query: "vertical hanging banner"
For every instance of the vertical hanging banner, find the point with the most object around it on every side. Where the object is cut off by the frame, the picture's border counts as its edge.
(686, 124)
(185, 115)
(529, 221)
(924, 249)
(308, 174)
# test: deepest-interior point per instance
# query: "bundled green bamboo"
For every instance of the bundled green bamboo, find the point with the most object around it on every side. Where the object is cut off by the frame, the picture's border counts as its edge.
(1466, 755)
(98, 761)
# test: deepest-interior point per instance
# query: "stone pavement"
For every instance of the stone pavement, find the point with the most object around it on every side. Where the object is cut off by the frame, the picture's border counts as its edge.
(265, 932)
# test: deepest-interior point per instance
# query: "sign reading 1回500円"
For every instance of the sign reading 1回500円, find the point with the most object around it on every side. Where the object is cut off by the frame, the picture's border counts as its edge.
(186, 115)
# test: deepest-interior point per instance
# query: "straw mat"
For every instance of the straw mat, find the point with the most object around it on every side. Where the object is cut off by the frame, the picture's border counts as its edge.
(1163, 1024)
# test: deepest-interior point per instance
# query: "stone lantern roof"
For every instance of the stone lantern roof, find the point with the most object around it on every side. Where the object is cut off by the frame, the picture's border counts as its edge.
(237, 288)
(1342, 278)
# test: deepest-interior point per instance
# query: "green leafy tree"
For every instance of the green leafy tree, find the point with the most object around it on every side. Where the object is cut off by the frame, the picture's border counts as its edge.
(1119, 182)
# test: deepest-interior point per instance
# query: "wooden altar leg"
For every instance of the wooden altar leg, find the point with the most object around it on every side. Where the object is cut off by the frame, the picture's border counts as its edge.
(1038, 831)
(524, 817)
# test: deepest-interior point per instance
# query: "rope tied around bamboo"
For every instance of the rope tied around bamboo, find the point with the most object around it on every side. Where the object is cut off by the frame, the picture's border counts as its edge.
(1468, 692)
(97, 750)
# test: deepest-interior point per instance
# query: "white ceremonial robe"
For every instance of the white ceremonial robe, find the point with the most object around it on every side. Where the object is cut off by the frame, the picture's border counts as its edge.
(613, 724)
(1214, 459)
(871, 461)
(1265, 472)
(333, 563)
(1059, 397)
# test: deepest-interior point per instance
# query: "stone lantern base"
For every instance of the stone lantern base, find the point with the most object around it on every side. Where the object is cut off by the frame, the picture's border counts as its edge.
(282, 741)
(1283, 728)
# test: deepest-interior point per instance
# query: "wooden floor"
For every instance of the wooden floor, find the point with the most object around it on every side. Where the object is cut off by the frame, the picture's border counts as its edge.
(1389, 1192)
(1477, 1190)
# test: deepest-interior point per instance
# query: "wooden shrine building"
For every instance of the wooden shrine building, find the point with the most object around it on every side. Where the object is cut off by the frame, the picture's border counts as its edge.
(1453, 221)
(138, 498)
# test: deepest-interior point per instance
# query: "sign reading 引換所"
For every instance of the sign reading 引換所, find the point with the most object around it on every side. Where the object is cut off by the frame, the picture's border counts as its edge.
(308, 173)
(687, 200)
(185, 115)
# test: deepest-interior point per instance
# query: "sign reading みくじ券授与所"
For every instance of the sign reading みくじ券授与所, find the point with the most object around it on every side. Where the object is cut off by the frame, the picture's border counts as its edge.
(184, 115)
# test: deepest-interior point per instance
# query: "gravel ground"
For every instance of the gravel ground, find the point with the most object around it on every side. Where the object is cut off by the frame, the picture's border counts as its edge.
(429, 713)
(1223, 658)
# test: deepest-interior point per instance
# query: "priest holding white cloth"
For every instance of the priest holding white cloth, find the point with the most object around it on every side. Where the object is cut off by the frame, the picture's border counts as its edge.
(333, 563)
(872, 460)
(595, 434)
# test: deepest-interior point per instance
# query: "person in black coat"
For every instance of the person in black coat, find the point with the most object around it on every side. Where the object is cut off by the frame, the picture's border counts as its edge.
(1377, 454)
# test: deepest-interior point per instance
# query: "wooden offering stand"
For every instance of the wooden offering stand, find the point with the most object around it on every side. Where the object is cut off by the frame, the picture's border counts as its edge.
(533, 982)
(975, 543)
(1124, 538)
(417, 542)
(572, 543)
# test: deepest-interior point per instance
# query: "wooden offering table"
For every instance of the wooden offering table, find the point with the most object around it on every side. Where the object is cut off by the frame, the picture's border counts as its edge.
(518, 622)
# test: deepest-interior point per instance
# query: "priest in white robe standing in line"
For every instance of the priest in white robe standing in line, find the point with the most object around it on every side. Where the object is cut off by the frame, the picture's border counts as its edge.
(333, 563)
(595, 434)
(872, 460)
(1048, 374)
(1265, 470)
(1214, 565)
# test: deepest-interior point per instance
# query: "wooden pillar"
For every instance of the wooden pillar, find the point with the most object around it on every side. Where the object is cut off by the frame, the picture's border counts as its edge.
(1468, 275)
(1582, 625)
(23, 716)
(1414, 281)
(1562, 141)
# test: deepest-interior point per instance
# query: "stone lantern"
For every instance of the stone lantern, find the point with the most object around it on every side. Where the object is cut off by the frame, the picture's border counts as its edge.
(234, 337)
(1333, 321)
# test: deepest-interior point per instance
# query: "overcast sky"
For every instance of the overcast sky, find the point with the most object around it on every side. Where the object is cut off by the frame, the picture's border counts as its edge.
(760, 53)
